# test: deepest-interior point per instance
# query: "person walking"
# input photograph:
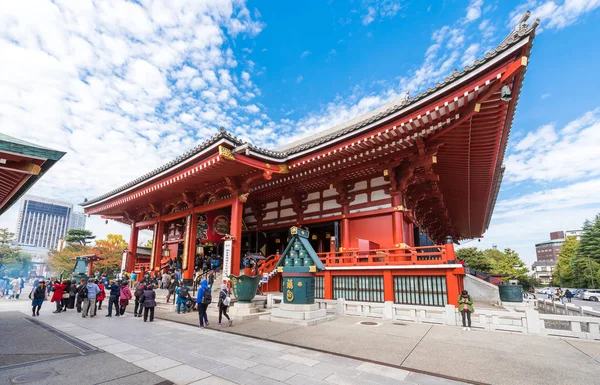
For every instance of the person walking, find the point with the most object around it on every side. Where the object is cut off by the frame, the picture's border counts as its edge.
(465, 307)
(38, 296)
(172, 287)
(138, 292)
(224, 302)
(16, 288)
(79, 298)
(21, 286)
(133, 279)
(569, 295)
(113, 299)
(66, 295)
(211, 279)
(149, 301)
(89, 293)
(165, 280)
(101, 294)
(72, 294)
(183, 294)
(560, 295)
(203, 299)
(125, 296)
(57, 296)
(3, 283)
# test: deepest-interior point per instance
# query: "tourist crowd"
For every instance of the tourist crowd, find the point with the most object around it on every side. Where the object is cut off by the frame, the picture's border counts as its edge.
(87, 296)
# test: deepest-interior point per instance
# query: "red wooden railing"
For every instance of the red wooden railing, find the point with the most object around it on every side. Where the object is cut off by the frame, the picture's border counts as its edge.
(425, 255)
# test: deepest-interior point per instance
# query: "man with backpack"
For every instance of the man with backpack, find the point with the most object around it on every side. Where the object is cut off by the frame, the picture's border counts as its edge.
(203, 299)
(139, 302)
(183, 294)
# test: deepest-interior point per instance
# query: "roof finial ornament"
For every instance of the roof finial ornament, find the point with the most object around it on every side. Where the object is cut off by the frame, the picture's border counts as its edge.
(222, 130)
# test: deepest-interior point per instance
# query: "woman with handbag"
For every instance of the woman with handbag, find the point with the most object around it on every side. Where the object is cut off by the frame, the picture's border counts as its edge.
(57, 295)
(38, 296)
(465, 307)
(66, 295)
(124, 297)
(224, 302)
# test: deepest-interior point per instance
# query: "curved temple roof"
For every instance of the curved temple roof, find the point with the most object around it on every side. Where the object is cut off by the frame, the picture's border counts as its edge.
(521, 36)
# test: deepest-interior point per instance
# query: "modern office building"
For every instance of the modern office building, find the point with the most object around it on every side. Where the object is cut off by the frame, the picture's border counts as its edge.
(42, 222)
(548, 250)
(77, 221)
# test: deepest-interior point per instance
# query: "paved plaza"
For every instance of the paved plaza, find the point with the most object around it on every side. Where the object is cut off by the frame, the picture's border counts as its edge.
(184, 354)
(339, 352)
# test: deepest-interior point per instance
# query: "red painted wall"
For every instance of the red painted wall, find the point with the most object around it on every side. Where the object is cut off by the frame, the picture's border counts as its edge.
(375, 229)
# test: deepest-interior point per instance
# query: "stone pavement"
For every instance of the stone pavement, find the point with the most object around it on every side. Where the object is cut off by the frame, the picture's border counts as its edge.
(478, 356)
(185, 354)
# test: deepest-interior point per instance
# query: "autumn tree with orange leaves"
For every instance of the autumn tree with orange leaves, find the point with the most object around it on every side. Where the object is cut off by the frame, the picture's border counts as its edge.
(111, 249)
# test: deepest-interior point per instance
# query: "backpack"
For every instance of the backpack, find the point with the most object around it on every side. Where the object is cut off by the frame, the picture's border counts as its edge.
(83, 292)
(139, 290)
(183, 292)
(207, 297)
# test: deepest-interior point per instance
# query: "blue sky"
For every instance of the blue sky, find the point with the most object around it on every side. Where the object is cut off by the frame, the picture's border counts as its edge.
(125, 86)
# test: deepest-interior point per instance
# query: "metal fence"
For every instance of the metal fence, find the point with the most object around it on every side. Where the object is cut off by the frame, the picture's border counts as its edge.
(319, 287)
(421, 290)
(358, 288)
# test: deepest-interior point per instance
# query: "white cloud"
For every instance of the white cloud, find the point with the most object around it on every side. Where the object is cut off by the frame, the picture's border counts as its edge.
(555, 14)
(545, 96)
(120, 86)
(253, 109)
(305, 54)
(379, 8)
(474, 10)
(548, 155)
(299, 79)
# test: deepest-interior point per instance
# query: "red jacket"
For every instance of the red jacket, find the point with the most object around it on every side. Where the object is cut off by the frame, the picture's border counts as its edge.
(101, 294)
(59, 289)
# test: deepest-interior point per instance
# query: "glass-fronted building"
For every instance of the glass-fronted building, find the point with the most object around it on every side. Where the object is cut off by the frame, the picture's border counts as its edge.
(42, 222)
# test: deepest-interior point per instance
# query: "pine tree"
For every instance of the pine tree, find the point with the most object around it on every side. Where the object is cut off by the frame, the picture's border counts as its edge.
(79, 237)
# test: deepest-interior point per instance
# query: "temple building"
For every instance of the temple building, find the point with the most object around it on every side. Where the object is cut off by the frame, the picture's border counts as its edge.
(384, 196)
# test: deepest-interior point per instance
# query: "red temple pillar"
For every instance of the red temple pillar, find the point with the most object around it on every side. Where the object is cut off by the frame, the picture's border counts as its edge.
(157, 245)
(345, 227)
(188, 273)
(132, 255)
(237, 210)
(397, 220)
(327, 285)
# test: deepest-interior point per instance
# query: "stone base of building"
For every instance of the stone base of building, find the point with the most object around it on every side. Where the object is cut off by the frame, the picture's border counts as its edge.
(305, 315)
(245, 311)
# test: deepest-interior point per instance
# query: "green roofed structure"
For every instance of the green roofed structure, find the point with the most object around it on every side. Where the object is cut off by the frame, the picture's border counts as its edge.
(21, 165)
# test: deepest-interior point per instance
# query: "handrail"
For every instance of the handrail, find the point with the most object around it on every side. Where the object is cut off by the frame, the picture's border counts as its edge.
(422, 255)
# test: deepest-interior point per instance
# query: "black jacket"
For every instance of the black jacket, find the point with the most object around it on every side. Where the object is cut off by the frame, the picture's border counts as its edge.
(39, 293)
(115, 290)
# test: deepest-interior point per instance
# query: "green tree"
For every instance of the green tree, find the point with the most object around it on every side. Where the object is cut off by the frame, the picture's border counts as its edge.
(509, 263)
(475, 259)
(563, 273)
(13, 262)
(79, 237)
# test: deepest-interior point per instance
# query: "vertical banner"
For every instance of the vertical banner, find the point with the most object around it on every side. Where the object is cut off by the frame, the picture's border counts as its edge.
(124, 261)
(186, 242)
(154, 241)
(227, 249)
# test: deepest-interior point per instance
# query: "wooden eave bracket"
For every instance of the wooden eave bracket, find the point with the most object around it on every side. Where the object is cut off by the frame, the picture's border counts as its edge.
(21, 167)
(267, 168)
